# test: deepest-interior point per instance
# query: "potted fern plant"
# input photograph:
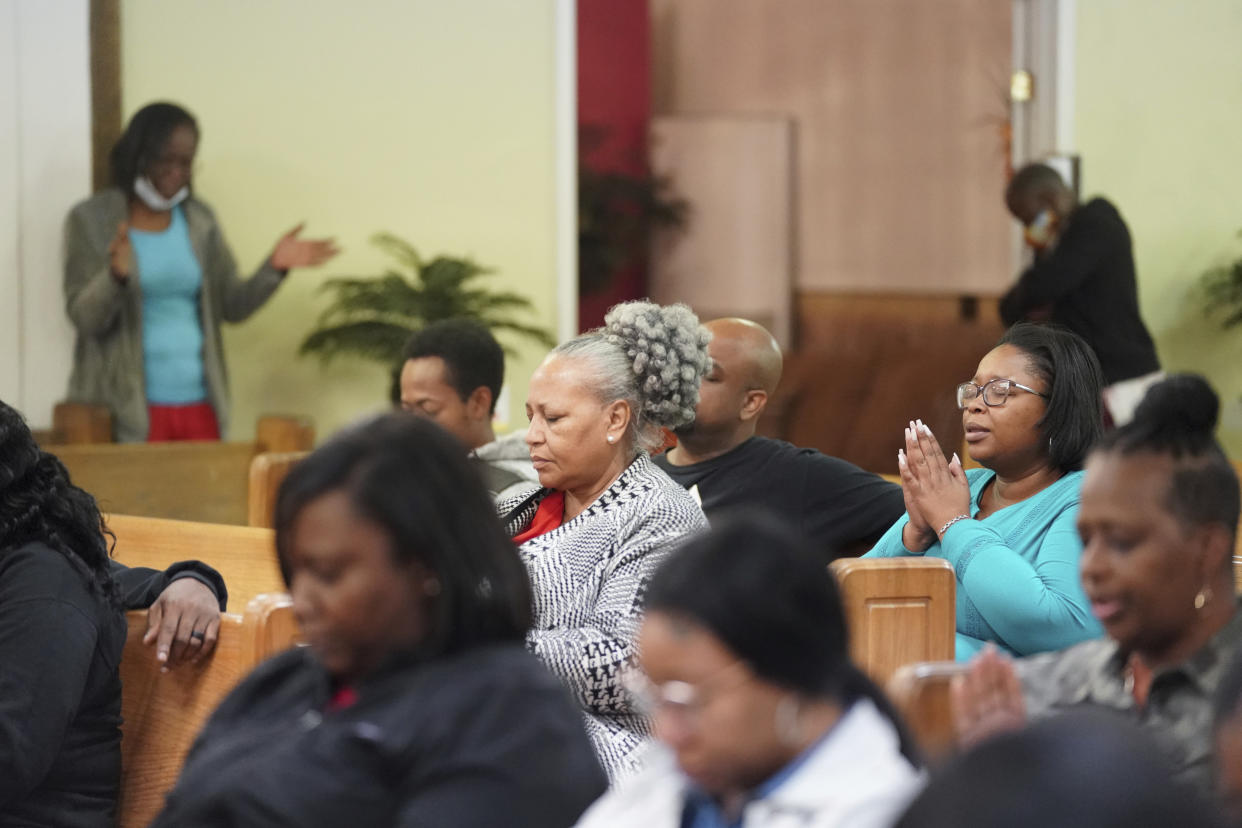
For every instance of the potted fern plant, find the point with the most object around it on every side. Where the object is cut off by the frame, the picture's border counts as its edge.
(371, 317)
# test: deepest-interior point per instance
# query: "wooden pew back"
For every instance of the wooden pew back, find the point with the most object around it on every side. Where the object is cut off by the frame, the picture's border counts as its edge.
(199, 480)
(267, 471)
(899, 610)
(244, 555)
(921, 693)
(163, 712)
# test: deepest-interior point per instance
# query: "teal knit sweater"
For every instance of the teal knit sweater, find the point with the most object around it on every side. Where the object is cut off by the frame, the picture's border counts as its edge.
(1017, 571)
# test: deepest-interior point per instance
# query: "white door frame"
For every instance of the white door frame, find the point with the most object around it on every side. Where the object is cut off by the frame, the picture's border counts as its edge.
(566, 163)
(1044, 35)
(45, 167)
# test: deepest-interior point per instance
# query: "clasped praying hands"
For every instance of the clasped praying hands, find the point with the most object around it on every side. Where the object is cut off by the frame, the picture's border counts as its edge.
(935, 489)
(987, 699)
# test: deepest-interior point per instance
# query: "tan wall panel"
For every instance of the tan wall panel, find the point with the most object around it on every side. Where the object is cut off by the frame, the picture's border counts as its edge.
(868, 364)
(735, 256)
(898, 106)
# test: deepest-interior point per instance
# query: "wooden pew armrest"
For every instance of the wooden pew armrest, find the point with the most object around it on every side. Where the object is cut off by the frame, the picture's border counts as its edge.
(271, 625)
(268, 470)
(921, 693)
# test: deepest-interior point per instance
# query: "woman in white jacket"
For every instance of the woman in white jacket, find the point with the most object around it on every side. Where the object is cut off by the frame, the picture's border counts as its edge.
(763, 720)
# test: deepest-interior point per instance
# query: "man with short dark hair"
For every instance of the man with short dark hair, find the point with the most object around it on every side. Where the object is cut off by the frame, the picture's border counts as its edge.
(718, 457)
(1083, 278)
(452, 374)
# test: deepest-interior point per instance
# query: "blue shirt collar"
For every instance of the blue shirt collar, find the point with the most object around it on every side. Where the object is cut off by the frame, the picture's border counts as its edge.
(703, 811)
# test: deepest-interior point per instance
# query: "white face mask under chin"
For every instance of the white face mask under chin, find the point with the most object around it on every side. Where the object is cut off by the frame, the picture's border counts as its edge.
(145, 190)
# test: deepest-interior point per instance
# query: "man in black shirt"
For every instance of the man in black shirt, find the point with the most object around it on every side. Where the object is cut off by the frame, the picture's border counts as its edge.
(840, 507)
(1082, 278)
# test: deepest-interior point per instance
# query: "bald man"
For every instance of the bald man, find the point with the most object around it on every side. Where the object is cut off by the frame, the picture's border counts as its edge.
(718, 457)
(1082, 278)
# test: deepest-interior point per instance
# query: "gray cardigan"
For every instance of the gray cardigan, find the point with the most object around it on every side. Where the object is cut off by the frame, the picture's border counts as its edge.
(107, 357)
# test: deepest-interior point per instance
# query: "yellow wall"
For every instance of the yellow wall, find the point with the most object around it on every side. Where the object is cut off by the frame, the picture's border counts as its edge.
(1158, 116)
(428, 118)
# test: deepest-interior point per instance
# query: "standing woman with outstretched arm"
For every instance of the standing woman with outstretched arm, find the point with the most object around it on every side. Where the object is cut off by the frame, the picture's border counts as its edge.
(148, 280)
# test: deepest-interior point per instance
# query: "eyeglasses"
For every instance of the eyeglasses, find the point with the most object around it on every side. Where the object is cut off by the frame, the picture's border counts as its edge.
(680, 697)
(994, 392)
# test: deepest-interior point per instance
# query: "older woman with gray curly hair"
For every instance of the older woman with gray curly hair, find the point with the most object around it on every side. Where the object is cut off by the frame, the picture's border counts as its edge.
(605, 515)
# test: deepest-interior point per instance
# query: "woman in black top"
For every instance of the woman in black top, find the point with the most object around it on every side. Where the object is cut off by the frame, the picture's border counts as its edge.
(61, 636)
(416, 703)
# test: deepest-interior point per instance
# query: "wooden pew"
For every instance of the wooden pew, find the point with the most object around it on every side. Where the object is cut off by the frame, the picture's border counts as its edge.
(77, 422)
(244, 555)
(267, 471)
(899, 610)
(200, 480)
(921, 693)
(163, 712)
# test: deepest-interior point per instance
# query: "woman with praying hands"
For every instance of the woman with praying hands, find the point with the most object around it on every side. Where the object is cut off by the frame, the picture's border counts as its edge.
(1031, 413)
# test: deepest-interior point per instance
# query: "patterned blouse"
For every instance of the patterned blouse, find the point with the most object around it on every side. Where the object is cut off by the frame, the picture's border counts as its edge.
(589, 576)
(1178, 715)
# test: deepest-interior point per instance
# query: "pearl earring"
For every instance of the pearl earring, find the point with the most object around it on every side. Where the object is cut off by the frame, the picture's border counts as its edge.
(1203, 597)
(612, 439)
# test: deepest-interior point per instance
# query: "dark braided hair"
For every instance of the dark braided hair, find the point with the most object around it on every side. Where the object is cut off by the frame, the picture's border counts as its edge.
(38, 504)
(1178, 418)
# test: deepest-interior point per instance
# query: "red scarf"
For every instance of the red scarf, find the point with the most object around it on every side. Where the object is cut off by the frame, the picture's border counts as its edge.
(549, 515)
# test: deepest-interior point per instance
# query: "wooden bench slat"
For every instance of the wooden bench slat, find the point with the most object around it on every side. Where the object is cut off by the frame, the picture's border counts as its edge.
(204, 481)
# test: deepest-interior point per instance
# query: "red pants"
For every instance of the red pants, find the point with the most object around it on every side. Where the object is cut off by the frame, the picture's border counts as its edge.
(182, 422)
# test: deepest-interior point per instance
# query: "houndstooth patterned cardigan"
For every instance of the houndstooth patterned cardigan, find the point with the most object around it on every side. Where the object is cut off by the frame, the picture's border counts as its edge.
(588, 577)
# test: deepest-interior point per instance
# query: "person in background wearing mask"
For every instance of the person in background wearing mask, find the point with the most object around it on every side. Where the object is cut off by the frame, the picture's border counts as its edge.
(148, 279)
(1083, 278)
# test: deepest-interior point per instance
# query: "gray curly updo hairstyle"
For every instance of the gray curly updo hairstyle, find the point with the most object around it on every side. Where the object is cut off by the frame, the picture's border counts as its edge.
(652, 357)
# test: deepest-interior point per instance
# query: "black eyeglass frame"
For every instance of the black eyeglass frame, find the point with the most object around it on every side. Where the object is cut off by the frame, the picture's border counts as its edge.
(982, 392)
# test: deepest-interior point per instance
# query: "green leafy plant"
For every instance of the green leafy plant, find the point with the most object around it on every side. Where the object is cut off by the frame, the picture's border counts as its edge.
(371, 317)
(1221, 287)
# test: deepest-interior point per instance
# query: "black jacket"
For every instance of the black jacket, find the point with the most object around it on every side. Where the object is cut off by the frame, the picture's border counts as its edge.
(60, 693)
(1088, 281)
(483, 738)
(60, 688)
(140, 586)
